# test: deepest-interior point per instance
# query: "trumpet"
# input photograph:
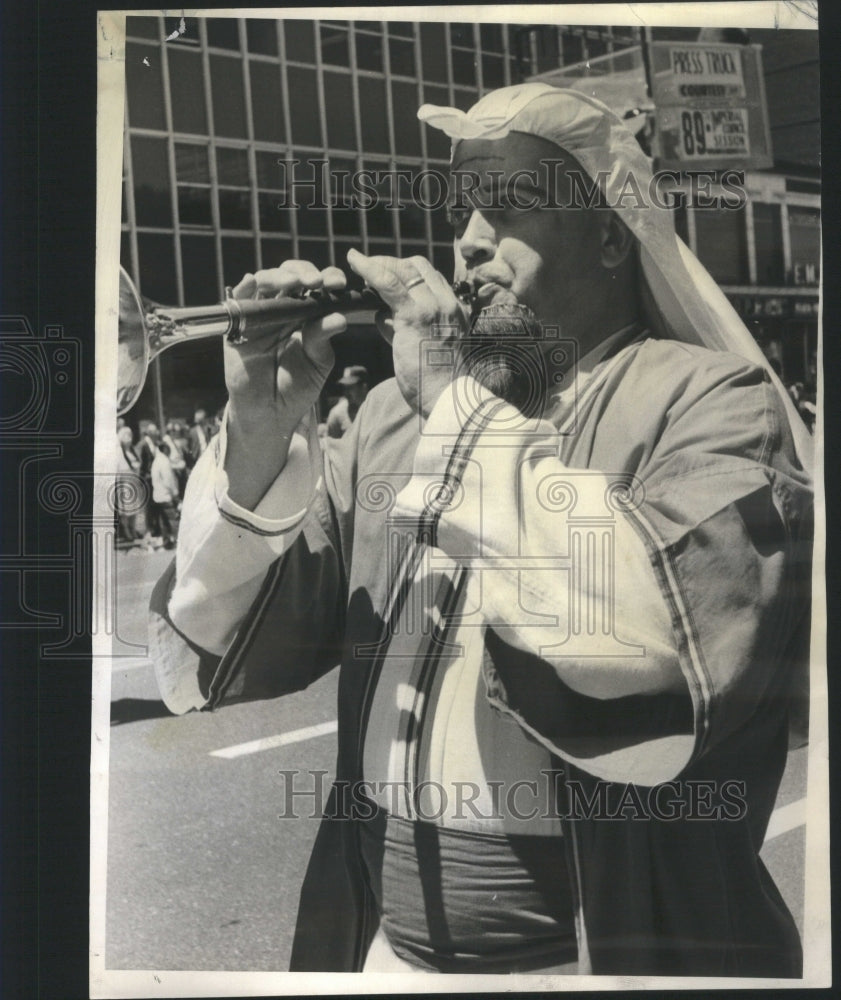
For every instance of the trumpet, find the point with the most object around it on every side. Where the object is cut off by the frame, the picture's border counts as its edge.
(146, 328)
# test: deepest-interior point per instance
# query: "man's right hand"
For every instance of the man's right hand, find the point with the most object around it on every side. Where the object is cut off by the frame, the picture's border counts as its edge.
(272, 387)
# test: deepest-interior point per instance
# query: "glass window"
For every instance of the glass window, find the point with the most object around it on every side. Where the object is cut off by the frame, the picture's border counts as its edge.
(436, 95)
(404, 98)
(271, 171)
(198, 259)
(464, 70)
(334, 46)
(237, 258)
(275, 251)
(441, 228)
(300, 44)
(462, 34)
(143, 27)
(374, 26)
(274, 215)
(722, 245)
(402, 57)
(312, 221)
(266, 102)
(157, 267)
(463, 99)
(572, 50)
(372, 109)
(378, 217)
(341, 170)
(340, 249)
(262, 36)
(346, 221)
(232, 166)
(306, 130)
(234, 209)
(381, 247)
(379, 220)
(306, 187)
(493, 72)
(404, 28)
(315, 251)
(768, 243)
(443, 258)
(223, 33)
(434, 52)
(144, 86)
(228, 97)
(412, 216)
(490, 36)
(191, 164)
(187, 91)
(151, 181)
(338, 103)
(194, 206)
(804, 226)
(596, 47)
(369, 52)
(176, 34)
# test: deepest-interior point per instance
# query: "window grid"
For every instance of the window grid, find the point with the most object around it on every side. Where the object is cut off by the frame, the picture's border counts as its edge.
(457, 93)
(249, 125)
(173, 179)
(286, 150)
(211, 129)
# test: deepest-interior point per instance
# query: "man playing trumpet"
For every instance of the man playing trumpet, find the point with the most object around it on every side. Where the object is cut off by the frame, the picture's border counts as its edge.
(562, 559)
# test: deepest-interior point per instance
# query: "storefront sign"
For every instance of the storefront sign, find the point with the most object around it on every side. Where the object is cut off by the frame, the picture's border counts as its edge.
(710, 102)
(805, 272)
(775, 306)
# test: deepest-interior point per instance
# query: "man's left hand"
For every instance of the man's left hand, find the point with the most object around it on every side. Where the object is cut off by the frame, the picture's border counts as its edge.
(425, 313)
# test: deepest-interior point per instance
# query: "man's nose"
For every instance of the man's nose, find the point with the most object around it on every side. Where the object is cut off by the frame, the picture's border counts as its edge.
(478, 241)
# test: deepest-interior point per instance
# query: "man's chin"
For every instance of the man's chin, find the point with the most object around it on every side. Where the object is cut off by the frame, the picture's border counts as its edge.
(503, 352)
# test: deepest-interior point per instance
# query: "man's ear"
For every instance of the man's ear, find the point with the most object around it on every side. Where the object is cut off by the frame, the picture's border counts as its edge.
(616, 239)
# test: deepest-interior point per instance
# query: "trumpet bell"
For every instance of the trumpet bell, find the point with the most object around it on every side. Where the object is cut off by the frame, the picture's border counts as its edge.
(133, 346)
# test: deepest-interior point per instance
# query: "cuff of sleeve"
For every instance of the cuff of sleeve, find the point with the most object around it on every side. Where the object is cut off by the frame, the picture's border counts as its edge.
(288, 498)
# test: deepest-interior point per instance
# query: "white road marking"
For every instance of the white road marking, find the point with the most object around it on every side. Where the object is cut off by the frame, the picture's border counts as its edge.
(786, 818)
(271, 742)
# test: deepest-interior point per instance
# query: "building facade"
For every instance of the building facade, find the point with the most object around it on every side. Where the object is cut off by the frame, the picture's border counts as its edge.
(240, 135)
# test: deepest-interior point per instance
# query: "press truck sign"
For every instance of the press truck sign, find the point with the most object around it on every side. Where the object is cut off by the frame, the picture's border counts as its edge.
(711, 110)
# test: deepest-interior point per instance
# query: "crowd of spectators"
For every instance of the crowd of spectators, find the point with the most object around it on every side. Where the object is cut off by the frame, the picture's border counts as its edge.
(152, 473)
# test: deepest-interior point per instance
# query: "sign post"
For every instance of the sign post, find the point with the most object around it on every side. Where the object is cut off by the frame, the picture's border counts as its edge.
(711, 112)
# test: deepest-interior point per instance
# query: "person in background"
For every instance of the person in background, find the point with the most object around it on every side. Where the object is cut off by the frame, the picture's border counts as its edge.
(165, 495)
(178, 445)
(150, 438)
(354, 383)
(127, 482)
(198, 436)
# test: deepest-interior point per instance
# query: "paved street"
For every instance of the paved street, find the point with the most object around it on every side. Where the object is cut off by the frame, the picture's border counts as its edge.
(203, 874)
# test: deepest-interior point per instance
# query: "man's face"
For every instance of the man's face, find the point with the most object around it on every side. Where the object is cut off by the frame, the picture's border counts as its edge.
(356, 393)
(542, 257)
(199, 416)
